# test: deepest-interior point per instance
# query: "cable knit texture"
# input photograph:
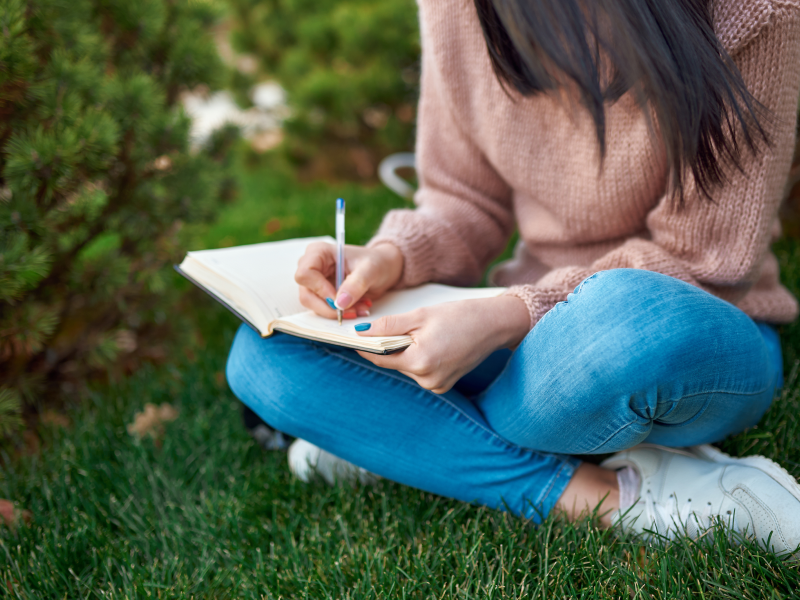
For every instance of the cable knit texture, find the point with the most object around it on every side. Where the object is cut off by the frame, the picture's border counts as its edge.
(489, 162)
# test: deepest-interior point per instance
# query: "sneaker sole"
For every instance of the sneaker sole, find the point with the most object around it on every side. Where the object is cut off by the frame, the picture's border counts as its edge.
(767, 466)
(762, 463)
(303, 458)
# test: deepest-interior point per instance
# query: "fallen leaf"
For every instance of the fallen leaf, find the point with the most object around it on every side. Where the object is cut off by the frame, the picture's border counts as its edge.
(51, 417)
(31, 444)
(266, 140)
(405, 112)
(11, 516)
(151, 420)
(219, 377)
(162, 163)
(10, 583)
(167, 413)
(363, 161)
(126, 340)
(7, 511)
(274, 225)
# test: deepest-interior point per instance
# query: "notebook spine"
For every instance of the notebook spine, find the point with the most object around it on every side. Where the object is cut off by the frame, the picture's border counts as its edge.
(241, 317)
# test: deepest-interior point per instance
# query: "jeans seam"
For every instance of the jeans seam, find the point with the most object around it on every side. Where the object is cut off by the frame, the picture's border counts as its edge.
(674, 402)
(580, 286)
(493, 435)
(611, 437)
(546, 493)
(576, 291)
(756, 393)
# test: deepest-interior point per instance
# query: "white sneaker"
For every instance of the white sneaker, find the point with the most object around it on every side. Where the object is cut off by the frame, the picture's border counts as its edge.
(306, 460)
(684, 492)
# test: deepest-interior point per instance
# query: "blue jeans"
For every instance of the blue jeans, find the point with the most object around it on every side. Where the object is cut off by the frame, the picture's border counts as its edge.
(631, 356)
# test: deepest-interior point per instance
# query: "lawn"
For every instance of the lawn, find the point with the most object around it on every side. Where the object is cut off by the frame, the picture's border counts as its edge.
(202, 512)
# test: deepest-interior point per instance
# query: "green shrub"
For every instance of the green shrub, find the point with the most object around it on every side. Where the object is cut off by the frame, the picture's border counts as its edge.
(351, 71)
(96, 179)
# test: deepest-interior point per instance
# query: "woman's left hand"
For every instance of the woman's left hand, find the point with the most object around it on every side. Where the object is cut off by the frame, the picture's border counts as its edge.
(450, 339)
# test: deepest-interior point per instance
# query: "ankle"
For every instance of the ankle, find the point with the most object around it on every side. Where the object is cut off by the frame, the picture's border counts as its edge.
(590, 488)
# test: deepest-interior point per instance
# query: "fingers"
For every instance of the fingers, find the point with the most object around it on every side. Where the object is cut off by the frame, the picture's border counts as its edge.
(396, 361)
(356, 284)
(313, 302)
(314, 268)
(401, 324)
(314, 273)
(362, 307)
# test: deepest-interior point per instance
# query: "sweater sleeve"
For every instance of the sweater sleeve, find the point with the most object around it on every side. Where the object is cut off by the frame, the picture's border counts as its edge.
(464, 216)
(719, 246)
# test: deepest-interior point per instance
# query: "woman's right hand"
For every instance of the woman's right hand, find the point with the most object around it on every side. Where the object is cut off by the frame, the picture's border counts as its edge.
(369, 273)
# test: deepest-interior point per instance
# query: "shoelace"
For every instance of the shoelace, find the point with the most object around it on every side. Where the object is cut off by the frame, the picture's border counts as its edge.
(668, 520)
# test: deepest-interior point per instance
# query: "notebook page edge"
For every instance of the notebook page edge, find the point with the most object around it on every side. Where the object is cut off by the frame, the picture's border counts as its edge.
(203, 277)
(275, 300)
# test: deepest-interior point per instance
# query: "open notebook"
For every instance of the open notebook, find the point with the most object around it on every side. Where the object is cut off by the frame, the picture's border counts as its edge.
(256, 283)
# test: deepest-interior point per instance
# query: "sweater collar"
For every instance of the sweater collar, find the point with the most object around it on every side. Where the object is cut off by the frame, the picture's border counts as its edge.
(738, 22)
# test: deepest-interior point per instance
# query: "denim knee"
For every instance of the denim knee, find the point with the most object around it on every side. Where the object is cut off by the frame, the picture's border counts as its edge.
(238, 368)
(255, 376)
(234, 368)
(616, 356)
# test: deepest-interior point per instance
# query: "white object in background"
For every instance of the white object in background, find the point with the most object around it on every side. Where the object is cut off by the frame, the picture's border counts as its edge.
(388, 175)
(268, 96)
(262, 121)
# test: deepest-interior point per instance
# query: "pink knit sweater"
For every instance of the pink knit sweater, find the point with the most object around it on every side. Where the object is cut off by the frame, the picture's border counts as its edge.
(488, 163)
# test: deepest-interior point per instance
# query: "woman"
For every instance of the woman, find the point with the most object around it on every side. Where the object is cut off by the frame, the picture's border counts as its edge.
(640, 147)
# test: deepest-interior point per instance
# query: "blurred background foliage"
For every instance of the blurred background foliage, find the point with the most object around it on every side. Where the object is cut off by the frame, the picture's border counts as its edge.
(351, 71)
(101, 191)
(96, 183)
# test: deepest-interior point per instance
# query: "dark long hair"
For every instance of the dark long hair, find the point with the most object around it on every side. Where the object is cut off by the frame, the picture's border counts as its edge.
(665, 51)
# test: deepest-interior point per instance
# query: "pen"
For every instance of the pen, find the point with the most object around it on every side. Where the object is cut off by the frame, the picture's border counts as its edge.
(339, 251)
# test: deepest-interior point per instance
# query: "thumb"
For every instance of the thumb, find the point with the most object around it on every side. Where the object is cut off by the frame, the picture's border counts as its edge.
(389, 325)
(355, 285)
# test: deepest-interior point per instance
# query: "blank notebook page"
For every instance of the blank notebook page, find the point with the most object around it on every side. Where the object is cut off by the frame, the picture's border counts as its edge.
(266, 271)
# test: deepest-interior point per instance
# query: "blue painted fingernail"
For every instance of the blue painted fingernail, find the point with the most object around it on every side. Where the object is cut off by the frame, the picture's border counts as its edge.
(330, 303)
(363, 326)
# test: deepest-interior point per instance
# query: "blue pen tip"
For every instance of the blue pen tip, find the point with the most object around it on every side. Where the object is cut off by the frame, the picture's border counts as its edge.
(339, 203)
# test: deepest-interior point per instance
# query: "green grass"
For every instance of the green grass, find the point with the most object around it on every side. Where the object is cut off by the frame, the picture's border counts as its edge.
(210, 515)
(205, 513)
(272, 206)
